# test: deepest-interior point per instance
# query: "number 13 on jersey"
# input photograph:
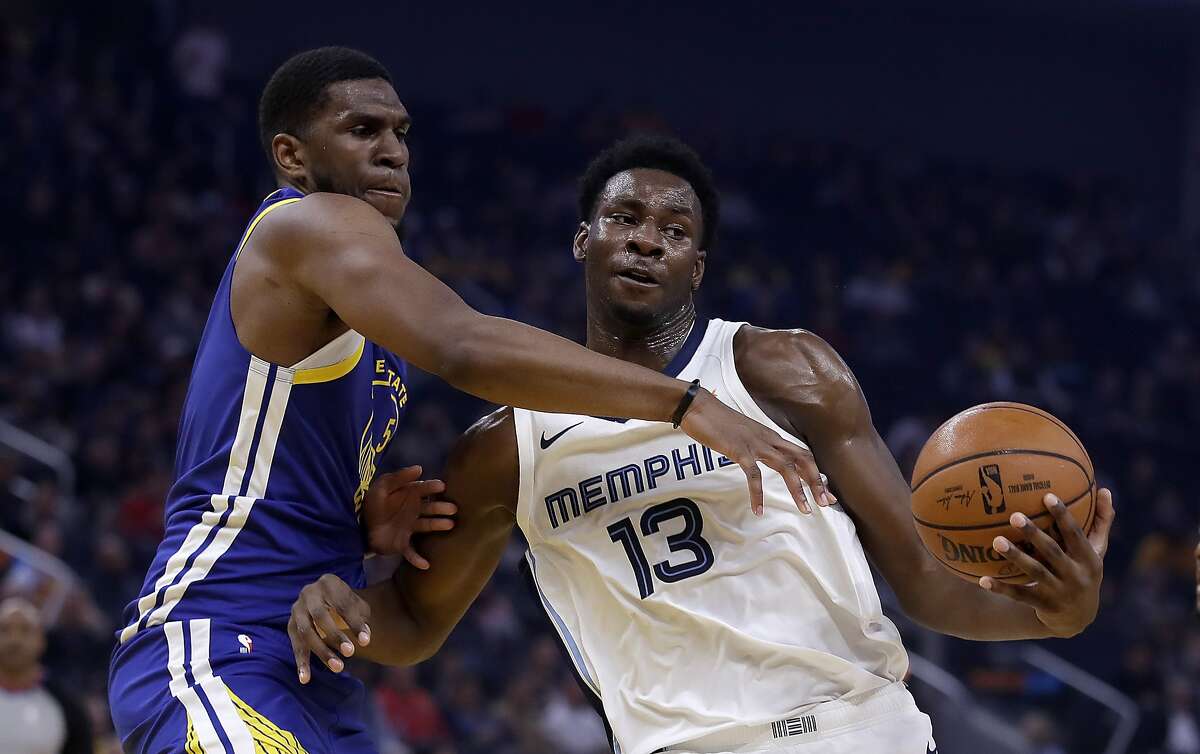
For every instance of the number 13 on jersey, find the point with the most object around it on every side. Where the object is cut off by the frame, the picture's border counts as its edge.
(689, 540)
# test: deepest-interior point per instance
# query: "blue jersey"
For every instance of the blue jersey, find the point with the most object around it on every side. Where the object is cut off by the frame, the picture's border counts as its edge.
(271, 469)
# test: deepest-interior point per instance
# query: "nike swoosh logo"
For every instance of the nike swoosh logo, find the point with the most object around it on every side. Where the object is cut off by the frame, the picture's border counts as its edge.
(548, 442)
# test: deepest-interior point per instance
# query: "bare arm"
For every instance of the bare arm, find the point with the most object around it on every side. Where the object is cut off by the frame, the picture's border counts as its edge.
(409, 616)
(342, 252)
(804, 385)
(345, 253)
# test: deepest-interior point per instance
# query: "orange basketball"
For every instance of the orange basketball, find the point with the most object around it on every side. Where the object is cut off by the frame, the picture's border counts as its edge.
(985, 464)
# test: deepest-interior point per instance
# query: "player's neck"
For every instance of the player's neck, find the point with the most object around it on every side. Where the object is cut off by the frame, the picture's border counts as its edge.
(652, 347)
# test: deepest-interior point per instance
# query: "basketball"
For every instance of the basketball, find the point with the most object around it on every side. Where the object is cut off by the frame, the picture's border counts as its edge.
(985, 464)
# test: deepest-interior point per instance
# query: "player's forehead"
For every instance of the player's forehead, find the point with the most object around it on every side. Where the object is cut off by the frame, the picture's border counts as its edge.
(658, 189)
(375, 98)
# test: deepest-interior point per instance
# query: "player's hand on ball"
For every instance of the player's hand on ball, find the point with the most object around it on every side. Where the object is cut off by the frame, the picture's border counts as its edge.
(747, 443)
(401, 504)
(1065, 588)
(321, 615)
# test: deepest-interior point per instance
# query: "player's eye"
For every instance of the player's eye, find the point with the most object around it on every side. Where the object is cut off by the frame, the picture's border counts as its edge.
(361, 131)
(675, 232)
(402, 133)
(622, 218)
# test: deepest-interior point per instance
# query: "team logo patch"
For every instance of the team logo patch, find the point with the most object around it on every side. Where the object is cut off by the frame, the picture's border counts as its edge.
(247, 644)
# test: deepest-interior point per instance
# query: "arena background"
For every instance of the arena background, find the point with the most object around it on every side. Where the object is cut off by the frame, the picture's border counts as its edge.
(971, 201)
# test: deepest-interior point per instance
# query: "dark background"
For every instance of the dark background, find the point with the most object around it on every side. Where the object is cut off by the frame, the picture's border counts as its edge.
(971, 203)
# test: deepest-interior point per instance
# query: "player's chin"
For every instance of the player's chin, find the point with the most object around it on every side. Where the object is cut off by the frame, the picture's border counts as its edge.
(635, 311)
(390, 204)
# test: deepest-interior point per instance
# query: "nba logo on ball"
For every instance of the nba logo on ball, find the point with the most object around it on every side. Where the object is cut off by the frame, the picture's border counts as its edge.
(247, 644)
(1015, 453)
(991, 487)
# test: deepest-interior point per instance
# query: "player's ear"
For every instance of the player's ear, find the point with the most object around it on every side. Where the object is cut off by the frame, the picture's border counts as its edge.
(288, 154)
(698, 269)
(579, 246)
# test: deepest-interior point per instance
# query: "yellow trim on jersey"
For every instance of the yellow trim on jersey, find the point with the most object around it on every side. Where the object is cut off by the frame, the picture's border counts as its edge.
(268, 737)
(331, 372)
(192, 744)
(259, 216)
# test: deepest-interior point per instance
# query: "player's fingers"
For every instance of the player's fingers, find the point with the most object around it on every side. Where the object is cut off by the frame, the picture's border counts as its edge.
(415, 558)
(1031, 595)
(332, 637)
(328, 626)
(311, 641)
(800, 492)
(1052, 555)
(299, 650)
(1105, 513)
(1074, 541)
(438, 508)
(423, 488)
(754, 483)
(353, 611)
(1030, 566)
(425, 525)
(806, 466)
(405, 475)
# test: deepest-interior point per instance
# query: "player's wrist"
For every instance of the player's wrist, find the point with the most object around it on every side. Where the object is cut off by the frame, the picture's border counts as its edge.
(685, 403)
(700, 404)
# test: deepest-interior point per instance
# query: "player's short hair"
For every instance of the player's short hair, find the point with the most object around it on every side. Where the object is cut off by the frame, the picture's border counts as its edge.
(297, 89)
(656, 152)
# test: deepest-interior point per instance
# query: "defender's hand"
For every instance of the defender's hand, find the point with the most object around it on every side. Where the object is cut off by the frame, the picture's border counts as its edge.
(746, 443)
(399, 505)
(1066, 589)
(320, 616)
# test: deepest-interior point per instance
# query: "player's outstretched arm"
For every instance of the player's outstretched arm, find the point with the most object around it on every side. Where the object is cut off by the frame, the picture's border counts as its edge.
(802, 383)
(404, 620)
(343, 252)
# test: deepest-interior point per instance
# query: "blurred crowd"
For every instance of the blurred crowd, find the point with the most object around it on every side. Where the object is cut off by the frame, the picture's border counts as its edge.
(131, 166)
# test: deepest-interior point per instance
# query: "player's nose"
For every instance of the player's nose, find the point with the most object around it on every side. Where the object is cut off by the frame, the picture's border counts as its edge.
(392, 152)
(645, 240)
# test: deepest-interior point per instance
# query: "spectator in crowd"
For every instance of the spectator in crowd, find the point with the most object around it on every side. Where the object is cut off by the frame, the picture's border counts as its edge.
(37, 715)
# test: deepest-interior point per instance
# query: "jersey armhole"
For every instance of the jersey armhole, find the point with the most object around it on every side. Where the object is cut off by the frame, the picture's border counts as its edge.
(738, 393)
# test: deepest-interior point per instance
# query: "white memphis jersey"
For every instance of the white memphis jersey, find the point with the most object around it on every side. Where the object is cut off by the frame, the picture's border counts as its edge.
(683, 612)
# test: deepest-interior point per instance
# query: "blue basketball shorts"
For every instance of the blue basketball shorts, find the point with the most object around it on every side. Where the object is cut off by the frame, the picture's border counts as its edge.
(203, 687)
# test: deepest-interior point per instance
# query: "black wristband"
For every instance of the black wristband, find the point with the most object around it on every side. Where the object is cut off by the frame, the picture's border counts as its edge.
(685, 403)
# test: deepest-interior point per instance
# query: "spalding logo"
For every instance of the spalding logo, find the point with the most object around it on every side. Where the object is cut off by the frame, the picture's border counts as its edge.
(957, 552)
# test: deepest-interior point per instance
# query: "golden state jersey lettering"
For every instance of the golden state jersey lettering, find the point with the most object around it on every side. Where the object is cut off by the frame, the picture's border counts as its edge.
(375, 439)
(271, 468)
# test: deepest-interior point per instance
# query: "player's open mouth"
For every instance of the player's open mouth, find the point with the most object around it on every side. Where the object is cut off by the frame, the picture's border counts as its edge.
(637, 278)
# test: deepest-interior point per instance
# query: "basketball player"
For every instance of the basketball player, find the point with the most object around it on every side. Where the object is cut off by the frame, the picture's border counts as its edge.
(298, 387)
(696, 626)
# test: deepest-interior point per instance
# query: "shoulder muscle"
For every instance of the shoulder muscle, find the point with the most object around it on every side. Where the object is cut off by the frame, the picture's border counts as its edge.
(800, 375)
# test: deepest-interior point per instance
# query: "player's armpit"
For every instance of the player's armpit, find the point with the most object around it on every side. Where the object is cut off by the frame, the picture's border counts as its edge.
(413, 612)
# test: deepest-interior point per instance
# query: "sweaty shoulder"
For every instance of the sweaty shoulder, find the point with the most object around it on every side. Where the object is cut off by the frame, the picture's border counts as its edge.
(483, 469)
(321, 222)
(796, 375)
